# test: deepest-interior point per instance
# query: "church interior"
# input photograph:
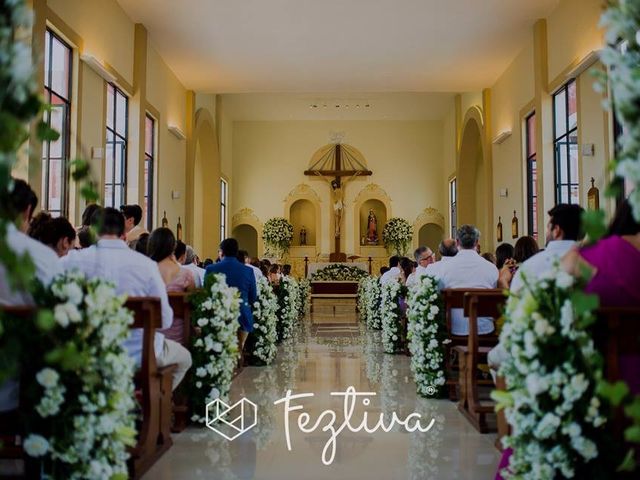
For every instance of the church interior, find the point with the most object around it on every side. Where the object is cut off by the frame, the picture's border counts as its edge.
(220, 118)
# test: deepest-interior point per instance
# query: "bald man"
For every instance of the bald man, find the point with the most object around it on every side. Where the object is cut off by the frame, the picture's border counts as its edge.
(448, 249)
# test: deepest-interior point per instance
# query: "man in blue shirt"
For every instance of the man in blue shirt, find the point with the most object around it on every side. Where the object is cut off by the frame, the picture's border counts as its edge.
(241, 277)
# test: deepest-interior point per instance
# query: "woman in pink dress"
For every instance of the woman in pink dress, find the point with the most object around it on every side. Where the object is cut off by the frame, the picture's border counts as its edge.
(161, 249)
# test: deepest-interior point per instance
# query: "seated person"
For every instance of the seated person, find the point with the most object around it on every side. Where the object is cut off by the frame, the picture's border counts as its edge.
(132, 227)
(190, 262)
(448, 249)
(134, 275)
(56, 233)
(393, 272)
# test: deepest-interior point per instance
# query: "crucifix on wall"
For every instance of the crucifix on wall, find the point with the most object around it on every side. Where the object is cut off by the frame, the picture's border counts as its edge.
(338, 166)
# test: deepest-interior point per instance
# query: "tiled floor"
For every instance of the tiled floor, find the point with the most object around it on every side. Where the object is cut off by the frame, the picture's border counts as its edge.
(329, 355)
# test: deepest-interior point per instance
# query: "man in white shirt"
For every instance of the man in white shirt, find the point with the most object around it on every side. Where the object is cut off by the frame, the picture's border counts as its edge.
(189, 263)
(563, 233)
(394, 271)
(424, 257)
(448, 249)
(22, 202)
(132, 219)
(135, 275)
(468, 270)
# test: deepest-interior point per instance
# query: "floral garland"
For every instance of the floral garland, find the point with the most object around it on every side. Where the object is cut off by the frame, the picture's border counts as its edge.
(277, 235)
(304, 288)
(427, 336)
(339, 273)
(391, 316)
(372, 292)
(215, 350)
(361, 299)
(80, 413)
(289, 307)
(265, 319)
(552, 371)
(397, 235)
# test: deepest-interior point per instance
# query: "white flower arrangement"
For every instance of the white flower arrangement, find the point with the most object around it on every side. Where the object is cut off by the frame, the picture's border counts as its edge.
(551, 373)
(84, 419)
(369, 301)
(214, 351)
(304, 289)
(391, 316)
(397, 235)
(427, 336)
(622, 23)
(339, 272)
(265, 319)
(277, 234)
(289, 307)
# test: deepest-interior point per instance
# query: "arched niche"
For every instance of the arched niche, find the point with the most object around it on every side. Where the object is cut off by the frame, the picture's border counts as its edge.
(202, 223)
(380, 211)
(247, 237)
(429, 216)
(302, 208)
(474, 175)
(371, 192)
(430, 235)
(247, 218)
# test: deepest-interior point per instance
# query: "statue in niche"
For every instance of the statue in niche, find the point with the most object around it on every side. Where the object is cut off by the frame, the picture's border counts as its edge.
(303, 236)
(372, 228)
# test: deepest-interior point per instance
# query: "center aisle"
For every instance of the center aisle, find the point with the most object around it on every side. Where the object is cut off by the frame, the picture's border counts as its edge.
(329, 354)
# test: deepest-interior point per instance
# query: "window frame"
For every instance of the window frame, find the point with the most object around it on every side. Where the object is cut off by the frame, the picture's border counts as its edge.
(224, 202)
(150, 159)
(65, 135)
(124, 145)
(453, 206)
(564, 141)
(532, 178)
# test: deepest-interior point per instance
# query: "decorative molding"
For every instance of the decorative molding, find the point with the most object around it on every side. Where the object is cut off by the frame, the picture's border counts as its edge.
(372, 191)
(302, 191)
(428, 215)
(246, 216)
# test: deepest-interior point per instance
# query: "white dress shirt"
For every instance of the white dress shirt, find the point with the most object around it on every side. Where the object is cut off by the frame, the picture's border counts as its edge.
(256, 272)
(541, 262)
(391, 274)
(132, 273)
(435, 269)
(414, 278)
(468, 270)
(198, 274)
(47, 266)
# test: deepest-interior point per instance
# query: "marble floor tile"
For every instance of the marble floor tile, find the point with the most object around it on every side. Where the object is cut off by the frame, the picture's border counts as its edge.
(329, 357)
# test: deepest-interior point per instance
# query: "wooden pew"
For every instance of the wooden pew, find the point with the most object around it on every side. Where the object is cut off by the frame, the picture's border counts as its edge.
(181, 307)
(154, 385)
(454, 298)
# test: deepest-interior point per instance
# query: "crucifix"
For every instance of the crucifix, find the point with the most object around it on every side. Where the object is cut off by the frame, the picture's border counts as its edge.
(336, 163)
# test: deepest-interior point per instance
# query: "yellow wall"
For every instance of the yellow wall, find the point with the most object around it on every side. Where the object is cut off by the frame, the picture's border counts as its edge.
(269, 159)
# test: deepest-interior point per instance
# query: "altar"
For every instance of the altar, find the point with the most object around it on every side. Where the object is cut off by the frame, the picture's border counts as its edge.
(314, 267)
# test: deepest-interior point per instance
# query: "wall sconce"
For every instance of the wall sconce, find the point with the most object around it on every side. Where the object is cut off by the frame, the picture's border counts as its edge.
(95, 65)
(501, 137)
(179, 134)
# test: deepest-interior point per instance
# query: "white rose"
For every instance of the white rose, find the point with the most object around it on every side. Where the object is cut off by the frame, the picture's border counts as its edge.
(36, 445)
(47, 377)
(203, 322)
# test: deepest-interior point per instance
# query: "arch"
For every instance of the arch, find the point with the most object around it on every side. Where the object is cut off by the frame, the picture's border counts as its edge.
(247, 237)
(304, 193)
(430, 235)
(203, 184)
(371, 191)
(246, 216)
(428, 216)
(474, 174)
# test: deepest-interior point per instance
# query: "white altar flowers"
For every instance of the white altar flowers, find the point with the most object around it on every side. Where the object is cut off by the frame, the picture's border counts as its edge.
(277, 234)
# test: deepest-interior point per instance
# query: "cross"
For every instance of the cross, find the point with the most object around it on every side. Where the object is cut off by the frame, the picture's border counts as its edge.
(330, 165)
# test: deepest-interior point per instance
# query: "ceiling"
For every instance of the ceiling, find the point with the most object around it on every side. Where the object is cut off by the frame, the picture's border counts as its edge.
(240, 46)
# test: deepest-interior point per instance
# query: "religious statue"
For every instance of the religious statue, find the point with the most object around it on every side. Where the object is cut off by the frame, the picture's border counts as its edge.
(303, 236)
(372, 228)
(337, 198)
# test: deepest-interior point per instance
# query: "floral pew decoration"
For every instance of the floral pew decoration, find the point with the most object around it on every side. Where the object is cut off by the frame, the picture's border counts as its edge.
(265, 320)
(392, 296)
(288, 307)
(370, 302)
(427, 335)
(304, 287)
(79, 412)
(214, 351)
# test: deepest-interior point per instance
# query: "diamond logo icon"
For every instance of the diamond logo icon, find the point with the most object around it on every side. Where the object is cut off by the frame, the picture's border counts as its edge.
(231, 421)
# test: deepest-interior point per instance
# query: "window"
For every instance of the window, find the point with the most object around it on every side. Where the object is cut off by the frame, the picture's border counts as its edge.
(57, 93)
(453, 211)
(565, 142)
(116, 152)
(149, 168)
(532, 175)
(224, 197)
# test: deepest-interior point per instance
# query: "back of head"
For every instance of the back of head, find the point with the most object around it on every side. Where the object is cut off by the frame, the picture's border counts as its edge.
(266, 262)
(108, 221)
(526, 247)
(180, 249)
(503, 253)
(88, 213)
(489, 257)
(58, 229)
(142, 244)
(162, 244)
(132, 211)
(242, 256)
(383, 270)
(406, 265)
(20, 198)
(207, 262)
(86, 237)
(394, 261)
(274, 268)
(623, 222)
(419, 251)
(448, 248)
(38, 226)
(468, 236)
(568, 218)
(286, 269)
(190, 255)
(229, 247)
